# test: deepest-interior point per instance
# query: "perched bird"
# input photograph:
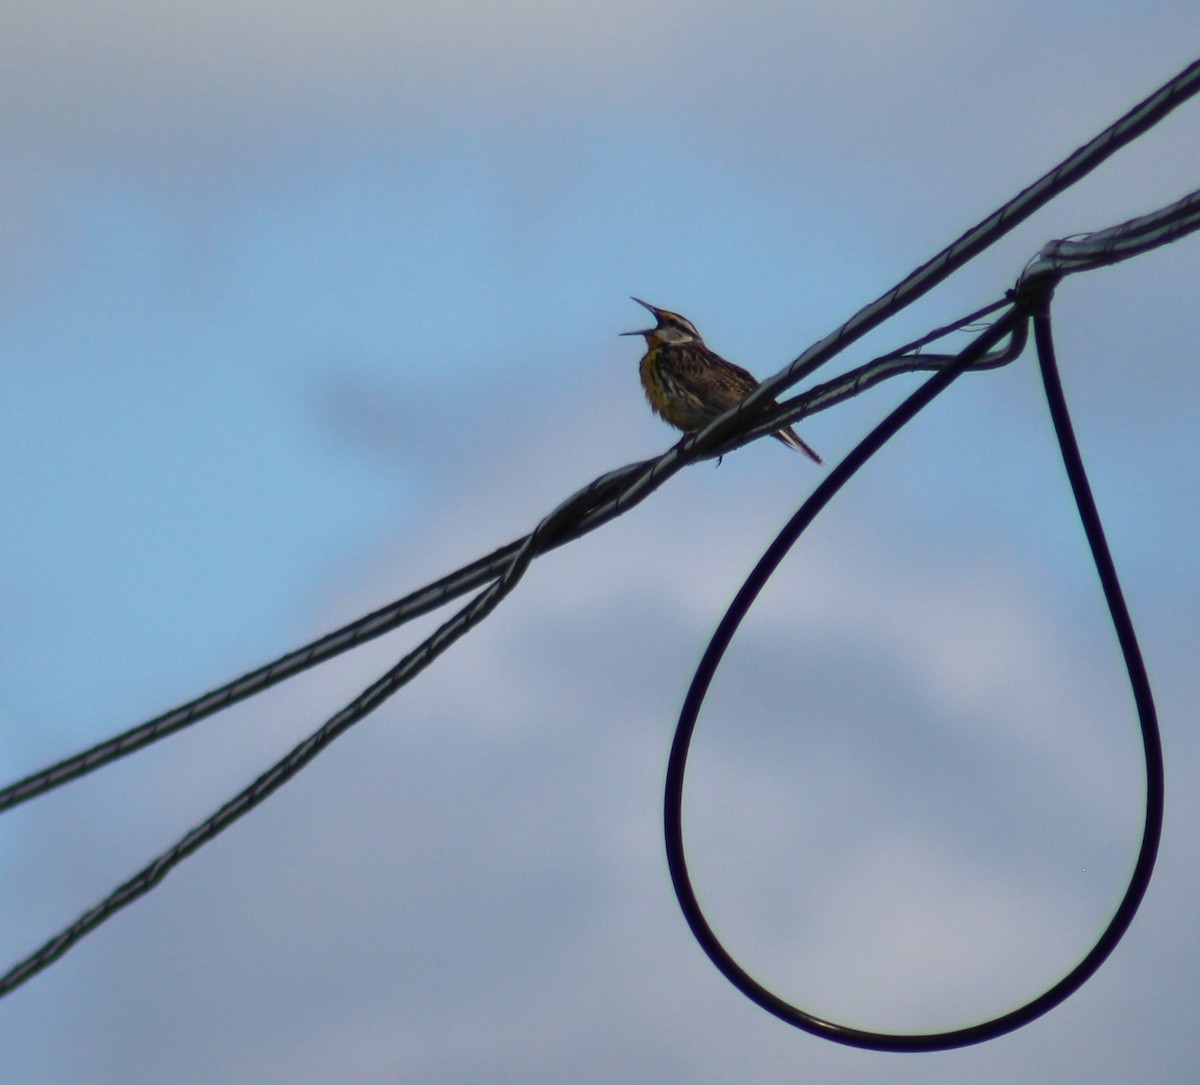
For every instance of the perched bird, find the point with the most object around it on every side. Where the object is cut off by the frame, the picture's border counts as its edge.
(687, 384)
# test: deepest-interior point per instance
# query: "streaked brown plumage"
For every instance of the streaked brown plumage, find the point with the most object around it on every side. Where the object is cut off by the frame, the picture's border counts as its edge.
(687, 384)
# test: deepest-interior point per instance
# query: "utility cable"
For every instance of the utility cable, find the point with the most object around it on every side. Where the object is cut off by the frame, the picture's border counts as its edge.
(1139, 682)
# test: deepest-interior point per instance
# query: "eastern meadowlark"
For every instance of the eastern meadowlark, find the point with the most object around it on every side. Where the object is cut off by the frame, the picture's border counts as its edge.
(687, 384)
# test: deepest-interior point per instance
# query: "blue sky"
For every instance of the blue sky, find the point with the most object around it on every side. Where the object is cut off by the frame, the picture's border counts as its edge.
(302, 305)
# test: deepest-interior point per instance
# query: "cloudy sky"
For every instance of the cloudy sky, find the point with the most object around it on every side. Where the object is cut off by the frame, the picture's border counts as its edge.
(303, 304)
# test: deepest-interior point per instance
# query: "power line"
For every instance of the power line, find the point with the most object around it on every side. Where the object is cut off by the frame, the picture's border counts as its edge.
(495, 575)
(1034, 302)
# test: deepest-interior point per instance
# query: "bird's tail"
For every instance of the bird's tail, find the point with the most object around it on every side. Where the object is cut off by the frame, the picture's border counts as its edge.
(793, 440)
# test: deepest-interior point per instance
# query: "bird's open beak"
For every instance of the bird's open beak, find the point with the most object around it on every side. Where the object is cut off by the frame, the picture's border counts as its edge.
(644, 305)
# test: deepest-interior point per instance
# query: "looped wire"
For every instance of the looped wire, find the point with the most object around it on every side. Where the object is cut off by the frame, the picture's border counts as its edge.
(1030, 302)
(615, 492)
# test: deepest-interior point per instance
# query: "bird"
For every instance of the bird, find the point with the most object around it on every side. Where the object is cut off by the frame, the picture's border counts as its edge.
(688, 384)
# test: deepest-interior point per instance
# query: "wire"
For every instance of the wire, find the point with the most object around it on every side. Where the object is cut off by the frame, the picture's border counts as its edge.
(617, 491)
(644, 477)
(283, 770)
(593, 505)
(1072, 169)
(1106, 247)
(905, 359)
(1139, 681)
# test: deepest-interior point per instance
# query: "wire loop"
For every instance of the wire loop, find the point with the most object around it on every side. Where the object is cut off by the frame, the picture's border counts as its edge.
(744, 600)
(616, 492)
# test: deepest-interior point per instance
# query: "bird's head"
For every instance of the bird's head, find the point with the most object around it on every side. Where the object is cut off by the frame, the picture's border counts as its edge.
(670, 329)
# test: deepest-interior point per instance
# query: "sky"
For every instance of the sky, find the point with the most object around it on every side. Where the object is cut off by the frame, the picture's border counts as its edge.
(302, 305)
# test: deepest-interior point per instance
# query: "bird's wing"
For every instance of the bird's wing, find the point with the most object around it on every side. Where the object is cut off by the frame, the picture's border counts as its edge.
(719, 383)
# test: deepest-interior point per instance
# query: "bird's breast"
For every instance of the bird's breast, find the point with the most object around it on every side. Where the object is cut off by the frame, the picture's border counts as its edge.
(652, 381)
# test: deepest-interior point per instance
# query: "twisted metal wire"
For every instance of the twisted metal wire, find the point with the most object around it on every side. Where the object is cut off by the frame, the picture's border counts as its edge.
(617, 491)
(589, 507)
(645, 476)
(1142, 117)
(1106, 247)
(284, 769)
